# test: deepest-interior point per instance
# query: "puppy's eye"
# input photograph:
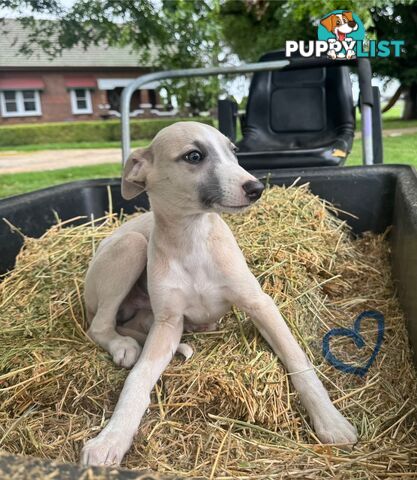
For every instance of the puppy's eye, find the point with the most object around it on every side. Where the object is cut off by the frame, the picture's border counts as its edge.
(193, 157)
(338, 22)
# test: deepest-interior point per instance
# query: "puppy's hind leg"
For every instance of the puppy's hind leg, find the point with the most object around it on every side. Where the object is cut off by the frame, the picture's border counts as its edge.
(134, 328)
(109, 279)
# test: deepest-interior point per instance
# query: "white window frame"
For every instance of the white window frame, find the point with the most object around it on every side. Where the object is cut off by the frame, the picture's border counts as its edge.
(20, 105)
(74, 107)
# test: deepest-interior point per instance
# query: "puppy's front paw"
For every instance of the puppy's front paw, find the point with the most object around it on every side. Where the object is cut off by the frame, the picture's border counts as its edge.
(108, 448)
(125, 351)
(334, 428)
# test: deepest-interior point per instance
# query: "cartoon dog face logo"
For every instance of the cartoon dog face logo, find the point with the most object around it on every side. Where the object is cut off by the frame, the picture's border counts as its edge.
(340, 25)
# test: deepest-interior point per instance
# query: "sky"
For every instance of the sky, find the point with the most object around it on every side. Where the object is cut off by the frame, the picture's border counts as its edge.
(5, 12)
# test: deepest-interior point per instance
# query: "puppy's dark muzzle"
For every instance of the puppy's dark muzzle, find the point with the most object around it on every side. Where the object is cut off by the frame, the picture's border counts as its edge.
(352, 24)
(253, 189)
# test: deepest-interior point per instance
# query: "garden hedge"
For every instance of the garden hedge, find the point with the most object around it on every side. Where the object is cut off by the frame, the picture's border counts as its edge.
(75, 132)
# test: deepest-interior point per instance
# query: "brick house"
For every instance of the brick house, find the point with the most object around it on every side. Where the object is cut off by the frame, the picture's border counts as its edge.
(78, 85)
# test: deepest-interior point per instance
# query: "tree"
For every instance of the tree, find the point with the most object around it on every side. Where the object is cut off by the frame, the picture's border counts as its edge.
(194, 41)
(195, 33)
(272, 23)
(183, 34)
(254, 27)
(399, 21)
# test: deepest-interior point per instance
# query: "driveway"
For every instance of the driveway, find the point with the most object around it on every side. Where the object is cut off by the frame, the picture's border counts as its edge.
(16, 162)
(394, 132)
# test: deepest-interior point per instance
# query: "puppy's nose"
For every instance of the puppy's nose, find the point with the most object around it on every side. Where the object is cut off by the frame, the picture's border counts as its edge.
(253, 189)
(352, 23)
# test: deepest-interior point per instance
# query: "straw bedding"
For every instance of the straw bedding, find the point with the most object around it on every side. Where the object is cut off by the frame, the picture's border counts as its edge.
(230, 411)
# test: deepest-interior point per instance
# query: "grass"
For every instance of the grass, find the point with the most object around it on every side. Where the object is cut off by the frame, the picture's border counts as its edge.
(399, 150)
(395, 123)
(396, 149)
(16, 183)
(70, 146)
(391, 120)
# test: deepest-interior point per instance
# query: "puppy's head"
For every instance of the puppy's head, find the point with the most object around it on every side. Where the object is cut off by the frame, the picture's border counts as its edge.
(191, 167)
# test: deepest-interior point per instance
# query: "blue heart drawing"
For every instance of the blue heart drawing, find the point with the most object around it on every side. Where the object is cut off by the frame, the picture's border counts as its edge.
(355, 335)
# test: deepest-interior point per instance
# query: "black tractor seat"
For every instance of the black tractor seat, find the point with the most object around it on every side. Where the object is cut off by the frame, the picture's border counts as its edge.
(294, 117)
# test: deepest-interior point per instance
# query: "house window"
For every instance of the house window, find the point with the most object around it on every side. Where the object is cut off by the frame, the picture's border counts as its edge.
(20, 103)
(81, 101)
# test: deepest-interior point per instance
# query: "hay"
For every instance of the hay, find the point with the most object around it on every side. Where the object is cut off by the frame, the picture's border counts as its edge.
(230, 411)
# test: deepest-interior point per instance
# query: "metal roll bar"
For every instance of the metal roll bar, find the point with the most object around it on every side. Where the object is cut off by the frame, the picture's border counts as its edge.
(184, 73)
(364, 74)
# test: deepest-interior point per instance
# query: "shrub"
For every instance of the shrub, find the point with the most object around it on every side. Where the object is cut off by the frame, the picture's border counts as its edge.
(76, 132)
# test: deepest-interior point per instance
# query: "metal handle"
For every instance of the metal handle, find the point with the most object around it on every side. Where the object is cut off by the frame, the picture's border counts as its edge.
(184, 73)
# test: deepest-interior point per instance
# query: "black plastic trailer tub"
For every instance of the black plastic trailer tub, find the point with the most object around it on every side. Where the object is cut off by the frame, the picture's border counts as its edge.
(379, 197)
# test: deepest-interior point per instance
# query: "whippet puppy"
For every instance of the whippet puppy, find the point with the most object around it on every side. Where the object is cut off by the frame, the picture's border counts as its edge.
(179, 268)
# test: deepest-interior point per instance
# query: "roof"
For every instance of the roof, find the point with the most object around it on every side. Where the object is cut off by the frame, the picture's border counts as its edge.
(13, 36)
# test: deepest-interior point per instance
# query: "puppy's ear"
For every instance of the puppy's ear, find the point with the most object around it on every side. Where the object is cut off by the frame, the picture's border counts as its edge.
(348, 15)
(328, 23)
(135, 172)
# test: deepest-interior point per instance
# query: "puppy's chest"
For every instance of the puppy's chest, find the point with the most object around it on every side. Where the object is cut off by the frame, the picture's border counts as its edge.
(202, 284)
(195, 271)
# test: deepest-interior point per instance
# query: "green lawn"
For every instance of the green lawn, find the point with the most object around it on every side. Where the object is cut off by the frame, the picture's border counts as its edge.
(71, 146)
(390, 119)
(402, 149)
(396, 150)
(394, 123)
(15, 183)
